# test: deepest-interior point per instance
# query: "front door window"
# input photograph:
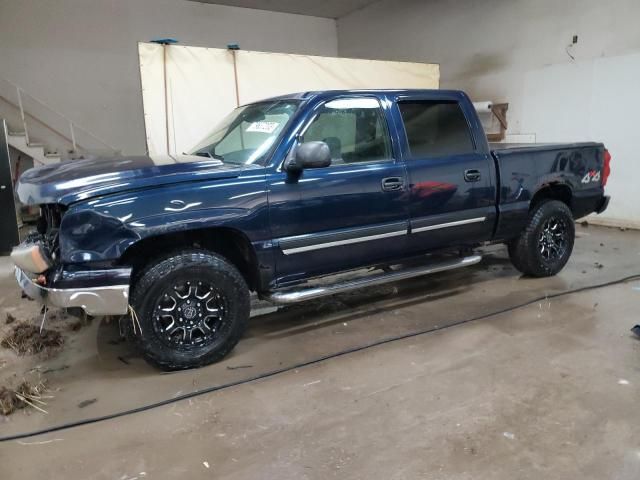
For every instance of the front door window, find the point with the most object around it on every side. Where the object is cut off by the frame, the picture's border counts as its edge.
(354, 130)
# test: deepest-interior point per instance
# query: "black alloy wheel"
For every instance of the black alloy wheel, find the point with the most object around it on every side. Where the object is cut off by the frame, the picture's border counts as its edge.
(552, 241)
(190, 314)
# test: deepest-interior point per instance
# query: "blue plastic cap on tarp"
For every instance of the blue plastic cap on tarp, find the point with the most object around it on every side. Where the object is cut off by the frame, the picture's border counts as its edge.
(165, 41)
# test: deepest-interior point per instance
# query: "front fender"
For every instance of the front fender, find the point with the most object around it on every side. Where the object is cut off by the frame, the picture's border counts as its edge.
(102, 229)
(92, 236)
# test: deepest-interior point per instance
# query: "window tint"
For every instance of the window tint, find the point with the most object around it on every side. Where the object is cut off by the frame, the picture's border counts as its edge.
(354, 129)
(435, 129)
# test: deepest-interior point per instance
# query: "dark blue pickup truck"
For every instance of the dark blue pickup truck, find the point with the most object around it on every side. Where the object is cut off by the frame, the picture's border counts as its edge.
(291, 189)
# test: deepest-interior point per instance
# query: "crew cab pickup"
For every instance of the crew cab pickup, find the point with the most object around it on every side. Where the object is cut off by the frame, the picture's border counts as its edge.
(291, 189)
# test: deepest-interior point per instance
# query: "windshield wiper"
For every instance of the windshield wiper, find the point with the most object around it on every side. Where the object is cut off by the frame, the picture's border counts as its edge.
(207, 153)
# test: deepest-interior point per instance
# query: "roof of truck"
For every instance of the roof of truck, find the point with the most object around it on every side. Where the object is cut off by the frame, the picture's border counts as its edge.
(329, 93)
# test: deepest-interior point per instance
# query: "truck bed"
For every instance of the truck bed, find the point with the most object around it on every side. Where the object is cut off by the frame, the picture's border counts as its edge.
(572, 169)
(537, 147)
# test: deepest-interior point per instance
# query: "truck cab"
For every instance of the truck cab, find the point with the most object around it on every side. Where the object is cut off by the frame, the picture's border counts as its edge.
(409, 171)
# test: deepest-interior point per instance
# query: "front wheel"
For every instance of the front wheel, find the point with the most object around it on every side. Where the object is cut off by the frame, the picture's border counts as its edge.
(192, 308)
(545, 245)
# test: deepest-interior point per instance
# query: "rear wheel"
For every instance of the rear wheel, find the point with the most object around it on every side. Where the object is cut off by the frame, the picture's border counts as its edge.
(545, 245)
(192, 308)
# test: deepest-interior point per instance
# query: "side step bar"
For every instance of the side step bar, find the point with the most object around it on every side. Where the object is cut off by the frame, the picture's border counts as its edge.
(288, 296)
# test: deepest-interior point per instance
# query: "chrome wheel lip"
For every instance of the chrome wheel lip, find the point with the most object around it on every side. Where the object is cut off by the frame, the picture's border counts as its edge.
(553, 239)
(190, 314)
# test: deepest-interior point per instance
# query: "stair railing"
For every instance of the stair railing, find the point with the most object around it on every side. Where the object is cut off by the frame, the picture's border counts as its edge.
(71, 125)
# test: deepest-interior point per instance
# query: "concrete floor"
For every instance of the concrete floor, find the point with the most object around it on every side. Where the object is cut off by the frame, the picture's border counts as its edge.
(545, 391)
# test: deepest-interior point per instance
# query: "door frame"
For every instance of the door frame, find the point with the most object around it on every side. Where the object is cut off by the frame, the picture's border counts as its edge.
(444, 221)
(321, 239)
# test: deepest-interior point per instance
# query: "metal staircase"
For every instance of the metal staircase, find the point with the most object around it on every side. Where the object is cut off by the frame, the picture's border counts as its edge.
(40, 156)
(44, 134)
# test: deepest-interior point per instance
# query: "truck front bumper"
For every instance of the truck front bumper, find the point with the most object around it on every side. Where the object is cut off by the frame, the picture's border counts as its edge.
(95, 300)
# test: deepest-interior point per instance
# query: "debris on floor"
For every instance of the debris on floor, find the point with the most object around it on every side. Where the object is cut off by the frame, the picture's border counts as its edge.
(26, 339)
(236, 367)
(8, 401)
(26, 394)
(86, 403)
(55, 369)
(636, 330)
(79, 323)
(125, 359)
(10, 319)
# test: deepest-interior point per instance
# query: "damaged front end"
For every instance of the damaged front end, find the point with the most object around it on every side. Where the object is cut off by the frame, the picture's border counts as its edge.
(39, 251)
(43, 278)
(32, 256)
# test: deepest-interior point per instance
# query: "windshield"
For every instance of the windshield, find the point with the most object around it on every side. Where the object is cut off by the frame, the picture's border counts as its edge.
(246, 135)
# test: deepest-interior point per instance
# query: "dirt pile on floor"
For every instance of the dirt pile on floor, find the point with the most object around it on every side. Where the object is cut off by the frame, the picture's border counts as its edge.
(27, 394)
(75, 324)
(26, 339)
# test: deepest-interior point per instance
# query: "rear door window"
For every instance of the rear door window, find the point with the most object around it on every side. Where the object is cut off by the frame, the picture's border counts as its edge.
(435, 128)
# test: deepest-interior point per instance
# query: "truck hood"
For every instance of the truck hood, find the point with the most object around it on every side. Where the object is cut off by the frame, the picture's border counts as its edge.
(68, 182)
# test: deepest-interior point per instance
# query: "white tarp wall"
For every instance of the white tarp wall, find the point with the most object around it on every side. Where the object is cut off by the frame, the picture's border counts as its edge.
(201, 85)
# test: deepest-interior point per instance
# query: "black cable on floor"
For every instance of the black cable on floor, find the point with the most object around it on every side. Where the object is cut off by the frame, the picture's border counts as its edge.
(272, 373)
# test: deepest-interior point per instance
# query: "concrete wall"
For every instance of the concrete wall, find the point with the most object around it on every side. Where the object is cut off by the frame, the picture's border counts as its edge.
(517, 51)
(81, 56)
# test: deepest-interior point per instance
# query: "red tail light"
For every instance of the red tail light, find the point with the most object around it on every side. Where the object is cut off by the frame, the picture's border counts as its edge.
(606, 169)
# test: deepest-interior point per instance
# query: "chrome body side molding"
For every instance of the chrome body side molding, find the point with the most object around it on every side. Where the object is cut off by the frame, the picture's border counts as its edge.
(318, 246)
(310, 242)
(318, 241)
(448, 224)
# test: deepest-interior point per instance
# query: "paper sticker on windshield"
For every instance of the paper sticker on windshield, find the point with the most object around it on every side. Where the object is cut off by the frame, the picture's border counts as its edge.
(262, 127)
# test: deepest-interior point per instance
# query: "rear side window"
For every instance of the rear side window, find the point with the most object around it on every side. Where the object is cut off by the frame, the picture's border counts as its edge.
(435, 128)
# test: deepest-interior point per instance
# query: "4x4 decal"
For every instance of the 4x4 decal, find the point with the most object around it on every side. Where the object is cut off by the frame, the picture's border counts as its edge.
(591, 176)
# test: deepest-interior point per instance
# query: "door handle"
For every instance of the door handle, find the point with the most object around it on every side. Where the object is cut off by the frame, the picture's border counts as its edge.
(392, 184)
(472, 175)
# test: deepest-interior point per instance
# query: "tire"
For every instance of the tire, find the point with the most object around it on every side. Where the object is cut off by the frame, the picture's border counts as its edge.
(546, 243)
(192, 308)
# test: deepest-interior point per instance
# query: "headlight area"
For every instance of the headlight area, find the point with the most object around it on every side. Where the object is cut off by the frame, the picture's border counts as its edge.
(40, 250)
(32, 257)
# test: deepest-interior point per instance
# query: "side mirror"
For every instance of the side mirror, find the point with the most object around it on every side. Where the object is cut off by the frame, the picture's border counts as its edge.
(308, 155)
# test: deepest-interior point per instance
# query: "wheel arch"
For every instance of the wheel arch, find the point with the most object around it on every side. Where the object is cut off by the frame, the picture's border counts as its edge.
(553, 191)
(231, 243)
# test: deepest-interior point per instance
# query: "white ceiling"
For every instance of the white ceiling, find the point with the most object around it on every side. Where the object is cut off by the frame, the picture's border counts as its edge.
(315, 8)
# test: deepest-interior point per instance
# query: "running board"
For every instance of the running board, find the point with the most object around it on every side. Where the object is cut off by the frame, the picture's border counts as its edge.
(288, 296)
